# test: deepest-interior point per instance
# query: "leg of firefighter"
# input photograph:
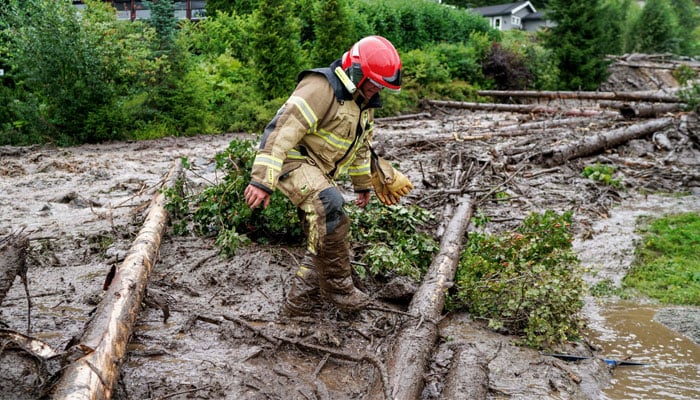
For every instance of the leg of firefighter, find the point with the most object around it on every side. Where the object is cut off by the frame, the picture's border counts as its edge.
(334, 255)
(304, 293)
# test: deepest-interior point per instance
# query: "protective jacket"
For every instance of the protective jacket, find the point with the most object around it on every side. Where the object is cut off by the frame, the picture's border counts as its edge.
(322, 124)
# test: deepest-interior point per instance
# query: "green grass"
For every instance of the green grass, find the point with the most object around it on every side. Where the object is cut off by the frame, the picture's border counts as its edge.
(667, 264)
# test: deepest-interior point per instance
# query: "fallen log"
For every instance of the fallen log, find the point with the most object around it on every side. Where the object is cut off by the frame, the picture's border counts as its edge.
(98, 353)
(403, 117)
(485, 133)
(468, 378)
(597, 143)
(409, 353)
(643, 110)
(647, 96)
(516, 108)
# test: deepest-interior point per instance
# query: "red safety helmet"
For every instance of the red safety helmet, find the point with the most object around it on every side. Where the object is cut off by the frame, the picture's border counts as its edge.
(376, 59)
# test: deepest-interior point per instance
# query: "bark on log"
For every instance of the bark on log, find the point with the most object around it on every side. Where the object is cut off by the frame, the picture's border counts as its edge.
(643, 110)
(411, 349)
(468, 378)
(516, 108)
(408, 140)
(658, 97)
(99, 351)
(403, 117)
(13, 254)
(594, 144)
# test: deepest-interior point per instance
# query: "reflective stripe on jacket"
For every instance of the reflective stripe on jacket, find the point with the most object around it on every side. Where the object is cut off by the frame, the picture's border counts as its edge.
(321, 123)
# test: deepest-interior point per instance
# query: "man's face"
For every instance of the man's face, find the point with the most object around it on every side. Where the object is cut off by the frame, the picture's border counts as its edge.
(369, 89)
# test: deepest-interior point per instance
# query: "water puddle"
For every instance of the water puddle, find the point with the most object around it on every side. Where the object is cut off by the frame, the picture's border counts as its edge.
(629, 332)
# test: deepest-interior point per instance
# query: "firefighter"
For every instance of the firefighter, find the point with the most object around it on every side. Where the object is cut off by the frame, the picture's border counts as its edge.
(323, 131)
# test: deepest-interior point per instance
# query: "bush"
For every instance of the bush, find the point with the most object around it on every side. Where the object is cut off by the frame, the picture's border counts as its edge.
(389, 241)
(525, 283)
(411, 25)
(221, 210)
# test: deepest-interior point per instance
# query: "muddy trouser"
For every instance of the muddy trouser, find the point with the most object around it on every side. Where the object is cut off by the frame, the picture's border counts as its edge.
(325, 269)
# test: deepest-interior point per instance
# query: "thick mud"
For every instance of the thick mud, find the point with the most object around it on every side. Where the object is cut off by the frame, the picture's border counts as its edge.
(212, 329)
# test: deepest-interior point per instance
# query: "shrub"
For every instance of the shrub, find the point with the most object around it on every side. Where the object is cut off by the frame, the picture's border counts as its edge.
(389, 241)
(525, 283)
(221, 211)
(601, 173)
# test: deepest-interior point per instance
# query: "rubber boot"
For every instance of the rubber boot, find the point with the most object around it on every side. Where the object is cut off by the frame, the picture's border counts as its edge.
(304, 294)
(336, 273)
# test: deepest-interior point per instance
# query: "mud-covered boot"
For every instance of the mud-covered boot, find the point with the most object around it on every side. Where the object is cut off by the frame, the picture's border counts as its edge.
(336, 273)
(344, 294)
(304, 293)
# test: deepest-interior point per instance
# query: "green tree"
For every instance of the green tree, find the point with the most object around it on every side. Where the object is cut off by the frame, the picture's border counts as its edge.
(335, 35)
(688, 16)
(657, 28)
(237, 6)
(576, 42)
(616, 12)
(163, 21)
(278, 55)
(58, 70)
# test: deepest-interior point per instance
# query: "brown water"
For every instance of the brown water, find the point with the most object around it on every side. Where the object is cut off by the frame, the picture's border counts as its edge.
(628, 331)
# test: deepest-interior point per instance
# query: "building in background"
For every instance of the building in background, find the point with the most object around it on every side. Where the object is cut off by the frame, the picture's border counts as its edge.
(520, 15)
(133, 9)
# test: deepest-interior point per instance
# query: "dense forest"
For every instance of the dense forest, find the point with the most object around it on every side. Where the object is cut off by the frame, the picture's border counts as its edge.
(71, 76)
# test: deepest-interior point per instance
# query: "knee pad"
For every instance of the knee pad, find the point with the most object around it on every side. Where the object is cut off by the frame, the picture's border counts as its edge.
(333, 203)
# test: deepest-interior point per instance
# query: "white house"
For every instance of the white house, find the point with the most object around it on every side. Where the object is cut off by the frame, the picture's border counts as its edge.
(521, 15)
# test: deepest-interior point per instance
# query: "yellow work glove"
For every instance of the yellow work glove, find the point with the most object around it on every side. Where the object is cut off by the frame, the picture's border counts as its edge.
(389, 184)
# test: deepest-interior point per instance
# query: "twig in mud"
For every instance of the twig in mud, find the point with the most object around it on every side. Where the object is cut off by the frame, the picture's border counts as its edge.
(540, 172)
(390, 310)
(321, 349)
(59, 292)
(215, 294)
(167, 396)
(264, 295)
(202, 261)
(500, 185)
(320, 365)
(291, 255)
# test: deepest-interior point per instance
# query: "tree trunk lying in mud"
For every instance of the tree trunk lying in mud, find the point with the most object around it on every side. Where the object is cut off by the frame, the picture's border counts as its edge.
(642, 110)
(98, 353)
(517, 108)
(594, 144)
(411, 349)
(657, 96)
(13, 253)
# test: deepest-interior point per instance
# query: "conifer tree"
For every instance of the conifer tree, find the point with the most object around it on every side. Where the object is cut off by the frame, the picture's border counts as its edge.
(334, 35)
(277, 57)
(576, 42)
(688, 15)
(657, 28)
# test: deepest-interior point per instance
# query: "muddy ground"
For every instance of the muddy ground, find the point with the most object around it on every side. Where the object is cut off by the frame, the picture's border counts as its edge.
(83, 206)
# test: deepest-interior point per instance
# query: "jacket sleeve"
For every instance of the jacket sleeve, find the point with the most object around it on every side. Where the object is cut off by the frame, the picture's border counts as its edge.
(298, 116)
(359, 170)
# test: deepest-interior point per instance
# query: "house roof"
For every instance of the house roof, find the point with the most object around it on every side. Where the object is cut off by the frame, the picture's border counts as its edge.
(503, 9)
(534, 16)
